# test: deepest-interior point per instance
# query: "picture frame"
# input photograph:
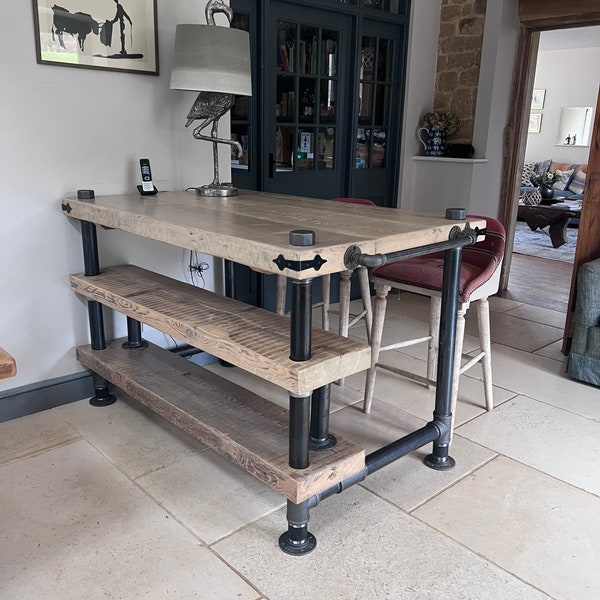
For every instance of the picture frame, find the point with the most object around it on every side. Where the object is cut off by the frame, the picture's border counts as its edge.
(537, 99)
(113, 35)
(535, 123)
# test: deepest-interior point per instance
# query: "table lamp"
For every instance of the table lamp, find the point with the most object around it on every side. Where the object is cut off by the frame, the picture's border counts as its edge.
(214, 61)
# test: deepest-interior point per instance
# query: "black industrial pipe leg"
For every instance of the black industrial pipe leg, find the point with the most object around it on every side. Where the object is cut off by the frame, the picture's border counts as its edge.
(439, 459)
(320, 438)
(297, 539)
(134, 335)
(102, 396)
(299, 419)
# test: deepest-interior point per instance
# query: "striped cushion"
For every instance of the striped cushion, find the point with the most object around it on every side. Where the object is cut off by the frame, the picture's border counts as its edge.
(578, 182)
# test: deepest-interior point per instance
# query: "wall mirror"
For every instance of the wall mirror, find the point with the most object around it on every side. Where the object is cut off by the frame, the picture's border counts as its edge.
(575, 126)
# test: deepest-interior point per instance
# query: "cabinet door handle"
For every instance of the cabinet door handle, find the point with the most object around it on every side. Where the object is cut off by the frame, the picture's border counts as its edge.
(271, 165)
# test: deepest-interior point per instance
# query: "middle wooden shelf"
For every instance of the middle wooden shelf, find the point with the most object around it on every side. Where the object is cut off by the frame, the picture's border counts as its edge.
(251, 338)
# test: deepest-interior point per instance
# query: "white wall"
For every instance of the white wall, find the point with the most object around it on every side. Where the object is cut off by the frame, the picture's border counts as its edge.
(435, 184)
(63, 129)
(570, 78)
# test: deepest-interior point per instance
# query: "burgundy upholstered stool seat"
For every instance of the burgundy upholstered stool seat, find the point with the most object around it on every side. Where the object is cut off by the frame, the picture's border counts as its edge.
(479, 278)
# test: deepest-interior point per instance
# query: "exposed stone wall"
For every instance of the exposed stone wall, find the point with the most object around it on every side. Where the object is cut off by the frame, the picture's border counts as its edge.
(459, 59)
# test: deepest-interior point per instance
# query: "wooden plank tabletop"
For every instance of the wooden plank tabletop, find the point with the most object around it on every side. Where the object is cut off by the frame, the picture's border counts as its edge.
(253, 228)
(8, 366)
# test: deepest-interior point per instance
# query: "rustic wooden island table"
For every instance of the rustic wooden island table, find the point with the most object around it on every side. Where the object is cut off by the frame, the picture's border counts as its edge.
(291, 451)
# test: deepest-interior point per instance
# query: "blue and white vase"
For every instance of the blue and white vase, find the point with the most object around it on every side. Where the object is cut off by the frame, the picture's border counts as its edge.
(434, 142)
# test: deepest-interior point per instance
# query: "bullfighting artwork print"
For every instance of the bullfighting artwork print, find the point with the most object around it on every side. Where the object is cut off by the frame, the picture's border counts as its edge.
(105, 34)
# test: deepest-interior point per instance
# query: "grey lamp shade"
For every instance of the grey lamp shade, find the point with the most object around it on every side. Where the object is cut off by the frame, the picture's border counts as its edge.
(210, 58)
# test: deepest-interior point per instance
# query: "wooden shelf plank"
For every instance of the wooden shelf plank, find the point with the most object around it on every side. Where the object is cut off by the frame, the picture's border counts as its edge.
(8, 366)
(251, 338)
(247, 429)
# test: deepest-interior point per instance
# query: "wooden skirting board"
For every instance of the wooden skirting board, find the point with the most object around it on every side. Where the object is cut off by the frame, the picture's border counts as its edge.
(251, 338)
(247, 429)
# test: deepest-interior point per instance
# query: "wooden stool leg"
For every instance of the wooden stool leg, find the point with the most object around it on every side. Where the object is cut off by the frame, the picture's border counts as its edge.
(326, 287)
(381, 292)
(344, 308)
(281, 294)
(483, 320)
(435, 311)
(365, 293)
(458, 346)
(344, 302)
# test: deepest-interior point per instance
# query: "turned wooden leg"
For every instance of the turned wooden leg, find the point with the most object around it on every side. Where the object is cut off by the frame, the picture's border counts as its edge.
(381, 292)
(483, 320)
(458, 346)
(326, 288)
(344, 303)
(435, 311)
(365, 293)
(281, 294)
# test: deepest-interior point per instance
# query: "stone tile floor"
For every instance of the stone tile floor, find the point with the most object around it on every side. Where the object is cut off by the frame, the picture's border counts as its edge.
(116, 503)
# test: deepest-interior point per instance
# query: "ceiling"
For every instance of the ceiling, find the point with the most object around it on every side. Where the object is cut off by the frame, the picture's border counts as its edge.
(564, 39)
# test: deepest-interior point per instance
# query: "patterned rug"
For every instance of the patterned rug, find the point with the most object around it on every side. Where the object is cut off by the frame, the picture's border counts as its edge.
(537, 243)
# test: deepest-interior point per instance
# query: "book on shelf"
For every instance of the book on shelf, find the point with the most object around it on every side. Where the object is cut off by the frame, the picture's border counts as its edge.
(284, 58)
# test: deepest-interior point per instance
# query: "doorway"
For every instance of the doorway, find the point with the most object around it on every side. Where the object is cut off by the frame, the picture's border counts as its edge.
(556, 140)
(536, 17)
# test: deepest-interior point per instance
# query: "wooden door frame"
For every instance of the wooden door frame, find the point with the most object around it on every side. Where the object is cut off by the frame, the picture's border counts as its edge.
(537, 16)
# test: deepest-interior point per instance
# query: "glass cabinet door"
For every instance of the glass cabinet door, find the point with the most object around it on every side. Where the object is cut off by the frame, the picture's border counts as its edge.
(244, 167)
(379, 74)
(310, 84)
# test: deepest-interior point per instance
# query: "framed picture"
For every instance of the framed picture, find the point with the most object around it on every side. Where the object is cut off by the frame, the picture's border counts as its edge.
(537, 99)
(115, 35)
(535, 122)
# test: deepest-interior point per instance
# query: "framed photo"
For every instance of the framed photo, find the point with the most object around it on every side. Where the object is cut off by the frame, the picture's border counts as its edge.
(115, 35)
(537, 99)
(535, 122)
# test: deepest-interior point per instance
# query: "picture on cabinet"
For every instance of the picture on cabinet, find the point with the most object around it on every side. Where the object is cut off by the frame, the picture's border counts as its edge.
(116, 35)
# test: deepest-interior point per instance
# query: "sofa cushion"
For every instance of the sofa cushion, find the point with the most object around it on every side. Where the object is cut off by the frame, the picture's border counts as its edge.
(527, 173)
(577, 183)
(543, 165)
(562, 183)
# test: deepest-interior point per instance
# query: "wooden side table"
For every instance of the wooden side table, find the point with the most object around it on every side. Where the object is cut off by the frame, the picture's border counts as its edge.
(554, 217)
(8, 366)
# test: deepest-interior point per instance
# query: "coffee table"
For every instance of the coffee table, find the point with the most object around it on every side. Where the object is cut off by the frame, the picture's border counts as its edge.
(556, 217)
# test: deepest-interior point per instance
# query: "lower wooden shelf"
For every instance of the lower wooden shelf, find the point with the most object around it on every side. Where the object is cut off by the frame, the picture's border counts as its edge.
(249, 430)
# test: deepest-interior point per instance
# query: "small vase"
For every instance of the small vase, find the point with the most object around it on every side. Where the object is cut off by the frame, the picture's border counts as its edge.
(434, 143)
(547, 192)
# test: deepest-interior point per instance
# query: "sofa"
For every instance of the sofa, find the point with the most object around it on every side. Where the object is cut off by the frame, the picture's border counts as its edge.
(584, 357)
(570, 185)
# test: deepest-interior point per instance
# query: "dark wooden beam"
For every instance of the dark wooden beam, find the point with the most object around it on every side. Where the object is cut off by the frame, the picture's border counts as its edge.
(542, 14)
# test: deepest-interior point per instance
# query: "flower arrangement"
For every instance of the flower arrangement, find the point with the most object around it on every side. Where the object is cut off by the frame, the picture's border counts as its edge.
(546, 178)
(446, 122)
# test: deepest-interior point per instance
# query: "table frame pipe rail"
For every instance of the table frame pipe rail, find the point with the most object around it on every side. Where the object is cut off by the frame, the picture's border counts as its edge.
(354, 258)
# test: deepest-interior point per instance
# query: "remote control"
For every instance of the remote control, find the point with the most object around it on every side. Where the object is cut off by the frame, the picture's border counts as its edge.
(147, 184)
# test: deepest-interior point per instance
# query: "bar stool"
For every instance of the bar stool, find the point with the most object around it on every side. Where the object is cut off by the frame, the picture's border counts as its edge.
(479, 279)
(363, 280)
